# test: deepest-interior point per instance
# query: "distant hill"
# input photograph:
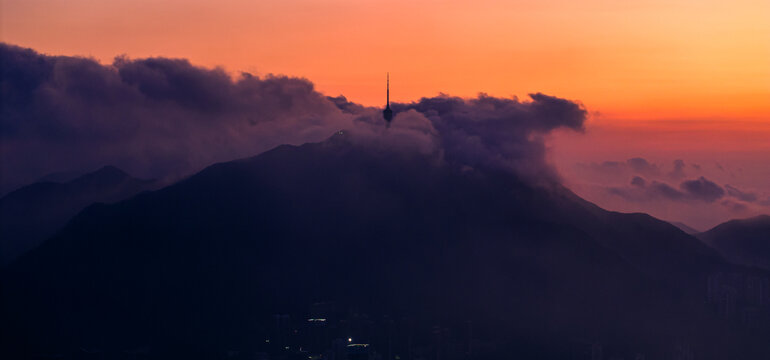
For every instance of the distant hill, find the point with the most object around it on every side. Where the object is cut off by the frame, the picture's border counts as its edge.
(684, 227)
(60, 177)
(33, 213)
(203, 264)
(745, 241)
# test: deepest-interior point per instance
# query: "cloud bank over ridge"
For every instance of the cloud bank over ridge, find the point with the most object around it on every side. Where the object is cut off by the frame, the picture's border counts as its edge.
(160, 117)
(674, 190)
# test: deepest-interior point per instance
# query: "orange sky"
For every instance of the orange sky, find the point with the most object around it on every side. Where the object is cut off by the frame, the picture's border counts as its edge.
(645, 60)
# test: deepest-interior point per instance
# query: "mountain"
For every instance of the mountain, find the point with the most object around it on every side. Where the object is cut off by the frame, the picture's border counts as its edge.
(684, 227)
(418, 257)
(35, 212)
(60, 177)
(745, 241)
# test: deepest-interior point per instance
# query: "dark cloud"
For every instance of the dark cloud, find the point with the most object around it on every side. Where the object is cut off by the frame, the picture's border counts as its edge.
(642, 166)
(638, 181)
(346, 106)
(703, 189)
(641, 191)
(678, 172)
(499, 132)
(740, 195)
(614, 172)
(660, 189)
(153, 117)
(160, 117)
(699, 190)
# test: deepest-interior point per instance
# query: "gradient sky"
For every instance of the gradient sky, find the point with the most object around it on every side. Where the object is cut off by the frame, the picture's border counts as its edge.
(676, 79)
(630, 60)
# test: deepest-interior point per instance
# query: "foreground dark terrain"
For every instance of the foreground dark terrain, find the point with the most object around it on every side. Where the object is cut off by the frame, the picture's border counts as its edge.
(313, 251)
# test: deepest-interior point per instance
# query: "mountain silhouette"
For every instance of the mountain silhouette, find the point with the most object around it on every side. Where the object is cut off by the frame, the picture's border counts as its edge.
(33, 213)
(203, 264)
(684, 227)
(744, 241)
(61, 176)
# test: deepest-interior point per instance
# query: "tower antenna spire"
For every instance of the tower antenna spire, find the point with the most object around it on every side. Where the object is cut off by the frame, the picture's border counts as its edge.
(387, 113)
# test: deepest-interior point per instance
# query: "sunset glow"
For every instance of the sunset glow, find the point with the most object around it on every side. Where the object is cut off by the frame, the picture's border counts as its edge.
(392, 180)
(644, 60)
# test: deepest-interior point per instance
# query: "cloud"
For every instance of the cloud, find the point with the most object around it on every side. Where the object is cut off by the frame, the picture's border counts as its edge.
(618, 171)
(703, 189)
(678, 172)
(489, 131)
(734, 206)
(346, 106)
(612, 172)
(642, 166)
(641, 191)
(154, 117)
(638, 181)
(698, 190)
(740, 195)
(666, 191)
(160, 117)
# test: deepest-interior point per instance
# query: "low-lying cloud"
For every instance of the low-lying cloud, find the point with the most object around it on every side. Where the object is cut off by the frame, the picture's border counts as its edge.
(637, 166)
(619, 171)
(160, 117)
(695, 190)
(678, 171)
(740, 195)
(702, 189)
(642, 166)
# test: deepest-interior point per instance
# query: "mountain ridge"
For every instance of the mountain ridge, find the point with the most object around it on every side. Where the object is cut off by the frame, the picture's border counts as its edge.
(742, 241)
(205, 259)
(34, 212)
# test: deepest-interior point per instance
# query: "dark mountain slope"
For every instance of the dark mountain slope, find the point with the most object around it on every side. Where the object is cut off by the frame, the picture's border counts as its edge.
(684, 227)
(652, 246)
(201, 264)
(745, 241)
(33, 213)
